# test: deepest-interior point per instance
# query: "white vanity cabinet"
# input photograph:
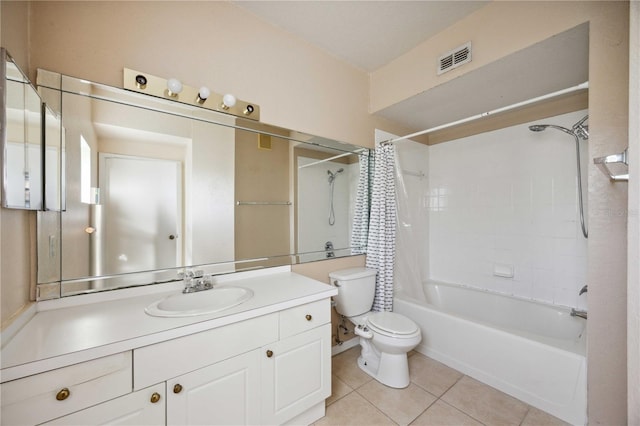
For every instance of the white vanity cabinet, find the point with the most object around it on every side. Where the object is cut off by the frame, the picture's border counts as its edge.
(269, 369)
(268, 364)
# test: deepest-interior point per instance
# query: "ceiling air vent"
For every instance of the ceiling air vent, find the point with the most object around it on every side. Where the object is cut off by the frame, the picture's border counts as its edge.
(454, 58)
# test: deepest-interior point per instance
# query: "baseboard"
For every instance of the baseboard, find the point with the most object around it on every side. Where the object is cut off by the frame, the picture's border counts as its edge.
(346, 345)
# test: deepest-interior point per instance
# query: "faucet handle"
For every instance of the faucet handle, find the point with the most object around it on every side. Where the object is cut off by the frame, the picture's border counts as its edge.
(207, 281)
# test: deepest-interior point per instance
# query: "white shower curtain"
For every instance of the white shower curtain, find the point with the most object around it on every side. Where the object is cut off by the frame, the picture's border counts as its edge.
(382, 226)
(412, 234)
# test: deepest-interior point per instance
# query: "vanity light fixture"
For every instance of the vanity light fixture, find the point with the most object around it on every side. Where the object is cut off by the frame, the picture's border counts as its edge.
(174, 86)
(174, 90)
(203, 95)
(228, 101)
(141, 81)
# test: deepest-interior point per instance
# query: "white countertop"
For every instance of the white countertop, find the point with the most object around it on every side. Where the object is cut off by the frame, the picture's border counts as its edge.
(80, 328)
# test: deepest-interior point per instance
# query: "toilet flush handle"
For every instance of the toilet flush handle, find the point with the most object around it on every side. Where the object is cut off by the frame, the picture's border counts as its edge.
(336, 283)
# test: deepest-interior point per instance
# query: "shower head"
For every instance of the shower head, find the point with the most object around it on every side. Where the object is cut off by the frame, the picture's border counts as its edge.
(579, 130)
(541, 127)
(333, 175)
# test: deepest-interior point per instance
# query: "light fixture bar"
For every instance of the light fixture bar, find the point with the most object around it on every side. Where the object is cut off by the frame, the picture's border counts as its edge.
(148, 84)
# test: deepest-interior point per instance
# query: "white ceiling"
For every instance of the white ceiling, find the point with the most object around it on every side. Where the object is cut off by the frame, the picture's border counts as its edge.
(366, 34)
(369, 34)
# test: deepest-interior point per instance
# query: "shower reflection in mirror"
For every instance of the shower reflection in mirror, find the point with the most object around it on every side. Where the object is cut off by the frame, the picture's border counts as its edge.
(326, 201)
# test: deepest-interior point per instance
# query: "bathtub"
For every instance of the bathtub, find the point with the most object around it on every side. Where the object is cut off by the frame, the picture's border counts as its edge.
(531, 351)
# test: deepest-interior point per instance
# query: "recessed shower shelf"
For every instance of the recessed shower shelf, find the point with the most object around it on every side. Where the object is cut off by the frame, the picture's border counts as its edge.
(605, 162)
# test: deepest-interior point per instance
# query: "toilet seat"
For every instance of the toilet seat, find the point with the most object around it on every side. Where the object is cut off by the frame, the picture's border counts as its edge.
(391, 324)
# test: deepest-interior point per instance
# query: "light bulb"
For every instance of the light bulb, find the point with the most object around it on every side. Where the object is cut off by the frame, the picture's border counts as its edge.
(203, 94)
(174, 86)
(228, 101)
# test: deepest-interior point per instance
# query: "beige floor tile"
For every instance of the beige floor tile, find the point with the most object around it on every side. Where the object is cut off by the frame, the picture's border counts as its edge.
(484, 403)
(338, 389)
(537, 417)
(432, 375)
(353, 409)
(442, 414)
(345, 367)
(401, 405)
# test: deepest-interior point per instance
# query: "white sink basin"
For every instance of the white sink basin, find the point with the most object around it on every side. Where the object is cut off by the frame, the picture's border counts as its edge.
(199, 303)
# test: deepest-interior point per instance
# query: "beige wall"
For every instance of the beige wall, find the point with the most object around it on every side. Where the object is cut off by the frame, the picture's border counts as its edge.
(14, 31)
(633, 285)
(211, 43)
(261, 175)
(502, 28)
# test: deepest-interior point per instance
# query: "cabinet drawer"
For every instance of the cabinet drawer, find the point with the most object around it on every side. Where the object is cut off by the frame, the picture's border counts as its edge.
(45, 396)
(162, 361)
(304, 317)
(145, 407)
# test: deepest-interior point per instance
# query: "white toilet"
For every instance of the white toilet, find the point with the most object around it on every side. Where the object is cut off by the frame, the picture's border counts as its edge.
(385, 337)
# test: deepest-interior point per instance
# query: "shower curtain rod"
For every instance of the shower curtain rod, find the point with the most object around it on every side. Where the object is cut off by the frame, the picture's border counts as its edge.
(581, 86)
(331, 158)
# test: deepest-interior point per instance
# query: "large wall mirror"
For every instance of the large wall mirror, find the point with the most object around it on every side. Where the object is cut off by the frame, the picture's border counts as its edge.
(154, 186)
(21, 136)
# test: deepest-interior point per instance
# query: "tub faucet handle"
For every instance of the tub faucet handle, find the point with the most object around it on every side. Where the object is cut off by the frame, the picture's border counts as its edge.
(583, 290)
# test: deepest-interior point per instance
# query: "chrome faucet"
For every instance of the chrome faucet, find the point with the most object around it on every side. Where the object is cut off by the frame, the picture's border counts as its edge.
(195, 281)
(578, 313)
(328, 248)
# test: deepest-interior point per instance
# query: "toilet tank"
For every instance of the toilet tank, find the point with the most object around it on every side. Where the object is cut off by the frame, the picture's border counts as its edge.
(356, 289)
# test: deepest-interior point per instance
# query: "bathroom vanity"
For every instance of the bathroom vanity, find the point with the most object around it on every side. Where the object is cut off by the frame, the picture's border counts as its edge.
(101, 359)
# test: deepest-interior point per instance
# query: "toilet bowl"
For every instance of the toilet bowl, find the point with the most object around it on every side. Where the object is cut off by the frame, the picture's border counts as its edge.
(385, 337)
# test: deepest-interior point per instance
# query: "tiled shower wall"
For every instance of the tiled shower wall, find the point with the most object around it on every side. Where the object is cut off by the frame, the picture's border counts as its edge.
(507, 200)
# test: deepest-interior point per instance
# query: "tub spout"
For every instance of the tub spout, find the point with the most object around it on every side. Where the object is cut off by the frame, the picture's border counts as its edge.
(578, 313)
(583, 290)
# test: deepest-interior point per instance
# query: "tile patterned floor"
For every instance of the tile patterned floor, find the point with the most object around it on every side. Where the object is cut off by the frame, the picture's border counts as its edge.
(437, 395)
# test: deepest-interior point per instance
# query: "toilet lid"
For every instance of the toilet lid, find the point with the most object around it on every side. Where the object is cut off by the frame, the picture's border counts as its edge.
(391, 322)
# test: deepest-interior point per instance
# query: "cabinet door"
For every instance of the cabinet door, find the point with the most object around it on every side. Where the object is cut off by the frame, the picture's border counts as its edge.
(225, 393)
(296, 374)
(144, 407)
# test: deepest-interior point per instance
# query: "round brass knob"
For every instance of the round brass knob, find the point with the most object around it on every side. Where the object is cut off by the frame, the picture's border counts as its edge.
(155, 397)
(177, 388)
(63, 394)
(269, 354)
(308, 317)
